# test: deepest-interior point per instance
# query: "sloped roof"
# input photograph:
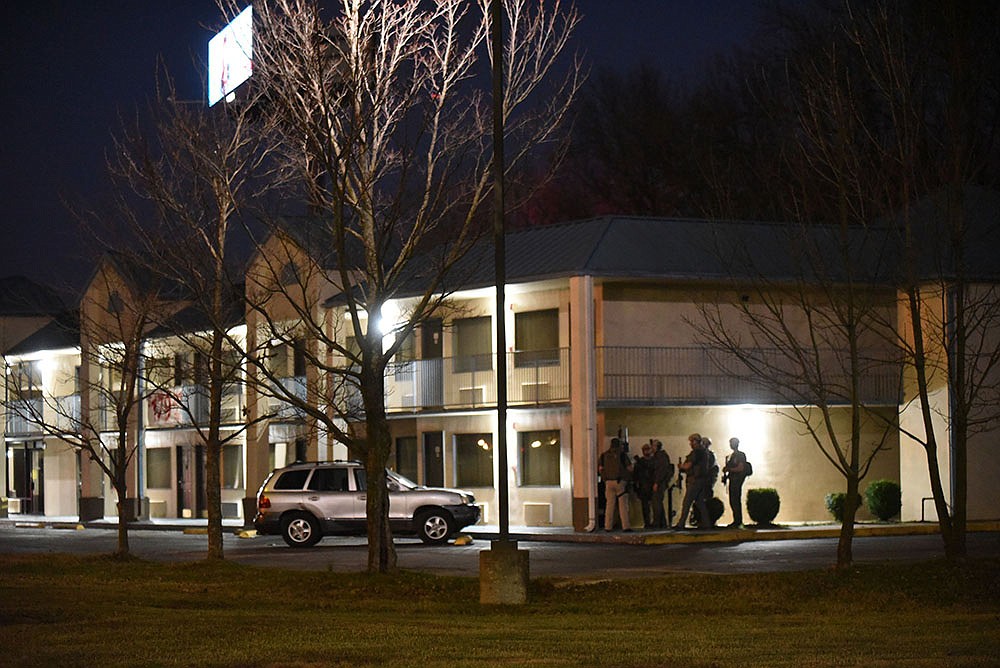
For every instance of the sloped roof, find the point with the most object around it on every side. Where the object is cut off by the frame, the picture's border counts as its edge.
(62, 332)
(675, 248)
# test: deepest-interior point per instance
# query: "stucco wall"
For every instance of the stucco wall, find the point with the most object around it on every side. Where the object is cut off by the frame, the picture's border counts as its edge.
(783, 457)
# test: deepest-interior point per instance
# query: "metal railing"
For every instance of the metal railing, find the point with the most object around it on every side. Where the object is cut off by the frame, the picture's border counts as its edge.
(533, 378)
(701, 375)
(20, 418)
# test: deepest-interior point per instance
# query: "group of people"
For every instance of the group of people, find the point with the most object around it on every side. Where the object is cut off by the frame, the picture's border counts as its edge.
(650, 476)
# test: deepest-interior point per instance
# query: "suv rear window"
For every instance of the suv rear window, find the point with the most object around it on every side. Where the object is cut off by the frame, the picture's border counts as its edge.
(291, 479)
(329, 480)
(360, 480)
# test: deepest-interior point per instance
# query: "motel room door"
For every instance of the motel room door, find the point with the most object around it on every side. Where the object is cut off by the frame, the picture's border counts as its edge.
(191, 481)
(433, 459)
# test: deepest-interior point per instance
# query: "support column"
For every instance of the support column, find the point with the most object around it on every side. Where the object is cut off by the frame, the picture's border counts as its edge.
(583, 401)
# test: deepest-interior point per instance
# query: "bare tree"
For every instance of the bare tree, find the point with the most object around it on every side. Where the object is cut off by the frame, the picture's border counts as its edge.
(114, 318)
(932, 73)
(185, 178)
(386, 136)
(890, 121)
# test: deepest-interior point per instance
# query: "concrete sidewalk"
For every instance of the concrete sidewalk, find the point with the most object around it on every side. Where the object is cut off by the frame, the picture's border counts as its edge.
(549, 534)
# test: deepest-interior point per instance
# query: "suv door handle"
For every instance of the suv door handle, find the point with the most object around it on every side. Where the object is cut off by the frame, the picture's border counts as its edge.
(363, 497)
(314, 498)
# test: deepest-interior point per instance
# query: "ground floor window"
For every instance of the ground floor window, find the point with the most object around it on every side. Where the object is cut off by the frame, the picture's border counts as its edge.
(158, 470)
(474, 460)
(232, 467)
(406, 457)
(540, 454)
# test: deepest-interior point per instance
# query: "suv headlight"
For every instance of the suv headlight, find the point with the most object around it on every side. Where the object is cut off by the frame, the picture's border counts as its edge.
(467, 498)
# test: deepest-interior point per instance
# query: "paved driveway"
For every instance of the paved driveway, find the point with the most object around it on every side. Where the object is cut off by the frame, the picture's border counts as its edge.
(547, 559)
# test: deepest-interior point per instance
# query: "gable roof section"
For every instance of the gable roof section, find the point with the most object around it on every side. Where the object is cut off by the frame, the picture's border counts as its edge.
(59, 334)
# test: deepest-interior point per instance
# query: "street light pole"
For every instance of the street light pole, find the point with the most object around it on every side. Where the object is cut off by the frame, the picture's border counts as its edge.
(503, 569)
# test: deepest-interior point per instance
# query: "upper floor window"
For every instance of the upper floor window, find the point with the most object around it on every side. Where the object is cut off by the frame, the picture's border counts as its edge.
(536, 338)
(473, 344)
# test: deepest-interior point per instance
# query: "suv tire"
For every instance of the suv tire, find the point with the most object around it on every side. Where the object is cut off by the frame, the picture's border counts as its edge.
(434, 527)
(300, 530)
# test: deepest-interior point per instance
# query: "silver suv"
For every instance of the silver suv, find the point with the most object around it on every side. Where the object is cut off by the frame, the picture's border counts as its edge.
(306, 501)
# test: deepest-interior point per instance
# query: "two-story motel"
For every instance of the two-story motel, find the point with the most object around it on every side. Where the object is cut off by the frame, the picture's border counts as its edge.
(601, 320)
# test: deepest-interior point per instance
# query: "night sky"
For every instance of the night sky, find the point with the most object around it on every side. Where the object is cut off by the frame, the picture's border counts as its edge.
(68, 69)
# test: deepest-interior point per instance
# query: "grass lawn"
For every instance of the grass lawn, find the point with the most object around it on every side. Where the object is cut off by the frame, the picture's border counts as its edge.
(94, 611)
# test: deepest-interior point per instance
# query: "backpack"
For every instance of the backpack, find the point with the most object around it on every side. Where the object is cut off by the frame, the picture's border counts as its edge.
(747, 469)
(712, 466)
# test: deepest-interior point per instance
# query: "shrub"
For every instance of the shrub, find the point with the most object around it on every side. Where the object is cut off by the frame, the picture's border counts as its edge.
(835, 504)
(884, 499)
(763, 504)
(715, 510)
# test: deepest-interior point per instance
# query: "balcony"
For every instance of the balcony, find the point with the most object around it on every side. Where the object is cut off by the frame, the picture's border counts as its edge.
(189, 404)
(280, 409)
(533, 378)
(699, 375)
(19, 417)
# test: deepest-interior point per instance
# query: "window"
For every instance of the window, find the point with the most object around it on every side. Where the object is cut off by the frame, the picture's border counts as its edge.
(473, 344)
(406, 457)
(474, 460)
(292, 479)
(536, 338)
(329, 480)
(540, 454)
(158, 468)
(232, 467)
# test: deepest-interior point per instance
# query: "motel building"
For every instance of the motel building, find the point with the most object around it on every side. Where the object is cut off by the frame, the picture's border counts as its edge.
(603, 320)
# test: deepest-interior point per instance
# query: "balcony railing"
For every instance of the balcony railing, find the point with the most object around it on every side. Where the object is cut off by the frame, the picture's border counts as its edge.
(281, 409)
(189, 404)
(533, 378)
(699, 375)
(19, 416)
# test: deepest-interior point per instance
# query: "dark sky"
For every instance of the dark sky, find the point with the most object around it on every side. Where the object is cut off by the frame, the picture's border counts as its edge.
(69, 68)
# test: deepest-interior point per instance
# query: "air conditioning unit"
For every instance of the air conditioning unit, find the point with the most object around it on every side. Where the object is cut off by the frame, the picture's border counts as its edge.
(537, 514)
(471, 395)
(535, 392)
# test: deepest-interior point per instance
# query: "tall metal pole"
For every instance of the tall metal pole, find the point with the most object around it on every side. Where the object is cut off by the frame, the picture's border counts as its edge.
(500, 266)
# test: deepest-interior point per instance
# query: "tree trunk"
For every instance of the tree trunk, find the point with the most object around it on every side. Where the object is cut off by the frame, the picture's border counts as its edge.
(845, 546)
(381, 550)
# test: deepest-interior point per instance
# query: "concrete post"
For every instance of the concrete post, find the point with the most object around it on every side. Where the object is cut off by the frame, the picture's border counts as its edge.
(503, 574)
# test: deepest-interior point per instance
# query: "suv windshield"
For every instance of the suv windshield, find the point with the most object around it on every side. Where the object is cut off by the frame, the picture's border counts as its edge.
(401, 480)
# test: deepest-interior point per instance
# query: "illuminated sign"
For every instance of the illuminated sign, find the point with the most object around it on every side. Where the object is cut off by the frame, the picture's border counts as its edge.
(230, 57)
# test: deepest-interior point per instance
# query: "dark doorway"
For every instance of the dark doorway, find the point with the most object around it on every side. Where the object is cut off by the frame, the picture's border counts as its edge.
(431, 364)
(433, 459)
(191, 481)
(28, 479)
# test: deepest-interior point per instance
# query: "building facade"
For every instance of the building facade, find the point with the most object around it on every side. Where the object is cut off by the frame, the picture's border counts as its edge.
(605, 323)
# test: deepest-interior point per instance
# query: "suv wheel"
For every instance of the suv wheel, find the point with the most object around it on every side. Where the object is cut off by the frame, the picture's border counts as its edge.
(300, 530)
(434, 527)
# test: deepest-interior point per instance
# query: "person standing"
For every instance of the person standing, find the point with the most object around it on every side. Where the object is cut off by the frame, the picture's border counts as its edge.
(735, 471)
(643, 477)
(615, 469)
(695, 468)
(663, 473)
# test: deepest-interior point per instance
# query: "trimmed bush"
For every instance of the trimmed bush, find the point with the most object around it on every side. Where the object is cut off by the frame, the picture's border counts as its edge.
(715, 510)
(763, 504)
(835, 504)
(884, 499)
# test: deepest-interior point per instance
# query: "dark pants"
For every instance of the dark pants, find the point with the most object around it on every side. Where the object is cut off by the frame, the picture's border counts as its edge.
(646, 499)
(696, 492)
(736, 498)
(659, 514)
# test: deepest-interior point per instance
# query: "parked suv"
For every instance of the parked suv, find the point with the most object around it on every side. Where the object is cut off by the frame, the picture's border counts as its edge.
(306, 501)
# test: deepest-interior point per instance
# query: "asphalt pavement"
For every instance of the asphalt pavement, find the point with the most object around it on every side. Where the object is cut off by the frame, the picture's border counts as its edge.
(553, 551)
